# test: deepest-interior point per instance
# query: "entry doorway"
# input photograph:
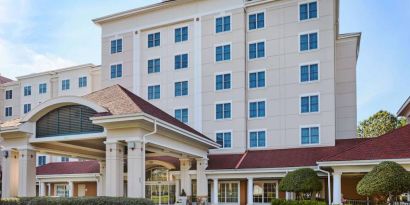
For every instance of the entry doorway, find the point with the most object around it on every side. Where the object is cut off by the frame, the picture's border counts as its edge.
(160, 193)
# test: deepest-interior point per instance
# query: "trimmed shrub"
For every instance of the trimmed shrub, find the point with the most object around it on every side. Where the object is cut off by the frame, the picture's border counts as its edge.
(301, 181)
(386, 180)
(293, 202)
(76, 201)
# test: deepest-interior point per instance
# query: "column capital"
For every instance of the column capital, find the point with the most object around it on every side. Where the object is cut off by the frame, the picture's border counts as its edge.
(337, 173)
(249, 178)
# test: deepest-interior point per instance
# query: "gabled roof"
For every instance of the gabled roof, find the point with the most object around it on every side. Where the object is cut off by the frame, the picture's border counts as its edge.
(81, 167)
(4, 80)
(279, 158)
(393, 145)
(404, 107)
(120, 101)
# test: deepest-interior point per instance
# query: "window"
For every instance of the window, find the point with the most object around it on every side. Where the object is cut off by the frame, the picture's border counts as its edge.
(154, 65)
(309, 104)
(154, 39)
(310, 135)
(61, 190)
(82, 82)
(65, 84)
(42, 160)
(182, 115)
(181, 34)
(308, 11)
(116, 46)
(9, 94)
(223, 111)
(8, 111)
(308, 41)
(116, 71)
(154, 92)
(264, 192)
(257, 109)
(257, 138)
(223, 81)
(181, 61)
(42, 88)
(65, 159)
(256, 21)
(228, 192)
(223, 53)
(181, 88)
(309, 73)
(256, 50)
(26, 108)
(224, 139)
(27, 90)
(257, 79)
(222, 24)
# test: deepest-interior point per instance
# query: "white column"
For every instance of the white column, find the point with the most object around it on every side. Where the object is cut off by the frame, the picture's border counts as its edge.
(27, 173)
(198, 74)
(201, 181)
(70, 189)
(288, 196)
(42, 191)
(48, 189)
(185, 165)
(136, 63)
(10, 172)
(337, 188)
(114, 179)
(215, 191)
(250, 191)
(101, 180)
(177, 188)
(136, 169)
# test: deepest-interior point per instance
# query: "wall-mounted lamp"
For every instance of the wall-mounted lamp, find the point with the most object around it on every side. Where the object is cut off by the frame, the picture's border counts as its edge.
(131, 145)
(6, 154)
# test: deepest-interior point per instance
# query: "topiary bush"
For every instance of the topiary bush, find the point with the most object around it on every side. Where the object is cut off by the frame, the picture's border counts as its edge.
(293, 202)
(301, 181)
(386, 180)
(76, 201)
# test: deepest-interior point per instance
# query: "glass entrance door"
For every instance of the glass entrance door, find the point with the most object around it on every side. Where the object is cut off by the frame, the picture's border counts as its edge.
(160, 193)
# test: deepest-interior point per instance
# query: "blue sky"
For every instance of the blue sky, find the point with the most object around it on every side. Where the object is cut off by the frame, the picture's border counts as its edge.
(47, 34)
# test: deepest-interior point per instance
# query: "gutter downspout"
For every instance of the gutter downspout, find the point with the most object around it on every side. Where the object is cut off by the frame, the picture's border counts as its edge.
(328, 183)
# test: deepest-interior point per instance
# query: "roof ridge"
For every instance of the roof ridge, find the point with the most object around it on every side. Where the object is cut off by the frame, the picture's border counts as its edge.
(365, 141)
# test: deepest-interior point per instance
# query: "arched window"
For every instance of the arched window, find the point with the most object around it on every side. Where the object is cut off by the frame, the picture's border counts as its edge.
(157, 174)
(67, 120)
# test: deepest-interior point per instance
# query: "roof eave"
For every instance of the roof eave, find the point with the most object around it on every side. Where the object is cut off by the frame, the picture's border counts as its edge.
(403, 107)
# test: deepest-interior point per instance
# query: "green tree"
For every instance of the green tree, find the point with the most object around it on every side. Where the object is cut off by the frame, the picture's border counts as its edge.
(379, 124)
(302, 181)
(386, 181)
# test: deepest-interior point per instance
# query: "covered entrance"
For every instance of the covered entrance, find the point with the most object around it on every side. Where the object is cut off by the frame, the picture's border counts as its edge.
(120, 131)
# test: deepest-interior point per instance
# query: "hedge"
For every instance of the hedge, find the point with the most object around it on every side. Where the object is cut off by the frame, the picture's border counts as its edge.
(76, 201)
(296, 202)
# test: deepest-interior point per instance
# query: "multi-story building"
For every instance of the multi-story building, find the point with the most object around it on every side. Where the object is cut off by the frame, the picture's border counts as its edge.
(268, 86)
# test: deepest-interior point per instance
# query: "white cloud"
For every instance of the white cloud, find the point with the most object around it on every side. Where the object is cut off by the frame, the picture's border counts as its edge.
(16, 60)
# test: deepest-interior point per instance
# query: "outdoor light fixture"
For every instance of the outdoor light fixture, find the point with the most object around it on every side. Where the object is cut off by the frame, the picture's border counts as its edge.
(6, 154)
(131, 145)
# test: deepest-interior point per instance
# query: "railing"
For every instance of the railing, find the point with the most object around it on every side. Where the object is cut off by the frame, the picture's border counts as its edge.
(400, 203)
(357, 202)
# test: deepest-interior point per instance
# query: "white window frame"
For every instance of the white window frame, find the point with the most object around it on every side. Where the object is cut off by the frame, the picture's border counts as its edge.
(309, 19)
(230, 23)
(62, 84)
(180, 81)
(180, 108)
(309, 126)
(249, 50)
(160, 65)
(266, 181)
(160, 40)
(5, 94)
(225, 131)
(31, 90)
(86, 81)
(182, 26)
(309, 95)
(116, 38)
(249, 108)
(256, 12)
(223, 73)
(257, 130)
(60, 184)
(160, 91)
(230, 182)
(122, 71)
(308, 64)
(309, 50)
(249, 77)
(182, 53)
(222, 44)
(24, 108)
(5, 111)
(223, 102)
(39, 88)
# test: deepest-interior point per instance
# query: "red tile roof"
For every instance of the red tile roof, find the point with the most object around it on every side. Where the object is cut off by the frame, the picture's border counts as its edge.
(393, 145)
(4, 80)
(118, 101)
(277, 158)
(81, 167)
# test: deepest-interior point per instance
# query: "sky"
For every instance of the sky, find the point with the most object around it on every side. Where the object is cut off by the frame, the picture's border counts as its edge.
(39, 35)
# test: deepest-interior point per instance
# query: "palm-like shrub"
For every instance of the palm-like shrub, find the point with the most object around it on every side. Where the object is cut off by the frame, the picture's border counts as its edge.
(302, 181)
